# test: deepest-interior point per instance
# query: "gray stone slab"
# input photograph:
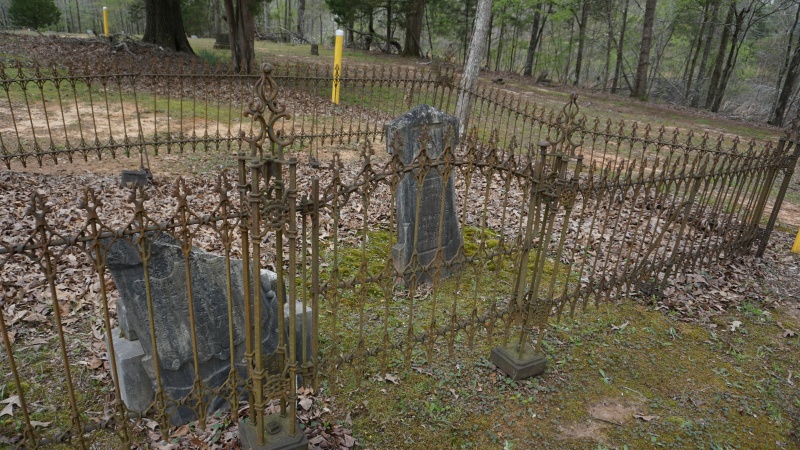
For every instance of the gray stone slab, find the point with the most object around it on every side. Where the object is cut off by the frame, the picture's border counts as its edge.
(134, 383)
(171, 296)
(425, 209)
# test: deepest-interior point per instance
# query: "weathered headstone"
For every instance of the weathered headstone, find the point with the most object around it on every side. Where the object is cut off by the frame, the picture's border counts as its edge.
(133, 178)
(315, 49)
(169, 292)
(222, 41)
(435, 194)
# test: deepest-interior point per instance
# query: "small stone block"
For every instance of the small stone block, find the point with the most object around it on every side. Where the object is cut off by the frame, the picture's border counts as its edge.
(276, 435)
(315, 49)
(135, 386)
(508, 360)
(132, 178)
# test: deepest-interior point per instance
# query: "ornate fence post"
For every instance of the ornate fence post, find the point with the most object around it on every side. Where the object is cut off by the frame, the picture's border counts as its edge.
(272, 207)
(553, 188)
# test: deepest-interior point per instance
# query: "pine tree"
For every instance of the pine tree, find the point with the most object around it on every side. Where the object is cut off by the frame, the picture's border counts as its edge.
(34, 13)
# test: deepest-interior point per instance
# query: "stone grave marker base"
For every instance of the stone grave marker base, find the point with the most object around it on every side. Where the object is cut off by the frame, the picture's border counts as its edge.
(276, 434)
(508, 360)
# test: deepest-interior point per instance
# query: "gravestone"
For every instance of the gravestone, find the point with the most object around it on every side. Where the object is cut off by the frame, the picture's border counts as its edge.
(134, 178)
(222, 41)
(436, 196)
(170, 301)
(315, 49)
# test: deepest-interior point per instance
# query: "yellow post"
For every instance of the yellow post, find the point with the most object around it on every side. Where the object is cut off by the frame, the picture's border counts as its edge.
(796, 246)
(337, 65)
(105, 20)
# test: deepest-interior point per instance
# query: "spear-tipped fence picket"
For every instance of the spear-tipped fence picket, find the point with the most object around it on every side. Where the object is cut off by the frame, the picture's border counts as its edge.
(557, 212)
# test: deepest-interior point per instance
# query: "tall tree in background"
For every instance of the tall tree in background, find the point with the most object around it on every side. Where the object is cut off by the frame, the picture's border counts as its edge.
(415, 15)
(640, 83)
(469, 78)
(164, 25)
(34, 13)
(242, 26)
(301, 17)
(694, 51)
(716, 74)
(620, 49)
(779, 83)
(779, 111)
(583, 20)
(787, 77)
(536, 31)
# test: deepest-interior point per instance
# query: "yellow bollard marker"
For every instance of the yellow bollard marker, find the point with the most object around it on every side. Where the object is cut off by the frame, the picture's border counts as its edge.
(796, 246)
(105, 20)
(337, 65)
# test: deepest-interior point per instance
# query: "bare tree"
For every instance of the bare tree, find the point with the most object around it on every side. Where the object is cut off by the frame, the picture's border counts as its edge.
(469, 78)
(640, 83)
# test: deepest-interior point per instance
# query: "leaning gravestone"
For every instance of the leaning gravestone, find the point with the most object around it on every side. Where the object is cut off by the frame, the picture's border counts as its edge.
(170, 300)
(436, 196)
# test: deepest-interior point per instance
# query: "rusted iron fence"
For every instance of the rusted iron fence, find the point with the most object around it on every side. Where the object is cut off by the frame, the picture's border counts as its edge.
(555, 213)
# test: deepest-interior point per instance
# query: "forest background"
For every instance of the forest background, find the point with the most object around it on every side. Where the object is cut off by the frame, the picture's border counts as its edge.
(737, 57)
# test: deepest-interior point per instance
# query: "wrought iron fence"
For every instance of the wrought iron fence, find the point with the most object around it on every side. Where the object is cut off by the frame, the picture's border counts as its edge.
(296, 267)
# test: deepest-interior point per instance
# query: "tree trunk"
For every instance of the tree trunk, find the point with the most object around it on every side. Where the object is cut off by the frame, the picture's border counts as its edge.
(534, 42)
(488, 63)
(620, 48)
(513, 48)
(712, 29)
(301, 17)
(265, 16)
(692, 64)
(720, 61)
(609, 45)
(164, 25)
(414, 18)
(565, 77)
(466, 31)
(499, 47)
(71, 23)
(659, 55)
(733, 55)
(779, 111)
(584, 19)
(218, 21)
(242, 28)
(351, 37)
(287, 11)
(469, 78)
(640, 83)
(78, 15)
(370, 31)
(389, 26)
(785, 67)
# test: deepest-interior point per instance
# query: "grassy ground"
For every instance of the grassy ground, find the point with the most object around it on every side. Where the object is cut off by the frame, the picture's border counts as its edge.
(624, 376)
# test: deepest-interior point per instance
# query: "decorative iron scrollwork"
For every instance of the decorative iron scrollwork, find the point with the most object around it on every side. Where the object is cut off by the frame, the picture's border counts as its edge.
(266, 111)
(567, 126)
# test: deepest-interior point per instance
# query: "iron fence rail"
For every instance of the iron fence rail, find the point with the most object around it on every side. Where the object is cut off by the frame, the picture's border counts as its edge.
(586, 215)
